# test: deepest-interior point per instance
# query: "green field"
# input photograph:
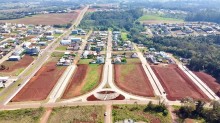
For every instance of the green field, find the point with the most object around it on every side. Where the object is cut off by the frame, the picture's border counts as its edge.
(157, 17)
(57, 54)
(57, 35)
(124, 36)
(133, 60)
(138, 113)
(62, 48)
(84, 61)
(78, 114)
(92, 77)
(21, 116)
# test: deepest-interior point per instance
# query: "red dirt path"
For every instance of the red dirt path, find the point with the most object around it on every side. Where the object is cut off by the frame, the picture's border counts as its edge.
(177, 84)
(13, 65)
(75, 81)
(39, 87)
(135, 82)
(210, 81)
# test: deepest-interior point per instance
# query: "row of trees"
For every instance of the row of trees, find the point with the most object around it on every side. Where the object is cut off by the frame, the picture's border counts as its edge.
(195, 110)
(116, 20)
(204, 15)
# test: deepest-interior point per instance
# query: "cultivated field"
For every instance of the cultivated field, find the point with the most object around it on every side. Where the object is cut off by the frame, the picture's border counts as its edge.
(86, 78)
(14, 68)
(78, 114)
(132, 78)
(46, 19)
(177, 84)
(210, 81)
(21, 116)
(39, 87)
(156, 19)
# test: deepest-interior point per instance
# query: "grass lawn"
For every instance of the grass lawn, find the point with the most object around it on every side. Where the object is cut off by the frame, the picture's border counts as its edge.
(126, 70)
(61, 47)
(57, 35)
(124, 36)
(21, 116)
(92, 78)
(157, 17)
(136, 112)
(57, 54)
(1, 89)
(84, 61)
(77, 114)
(13, 73)
(133, 60)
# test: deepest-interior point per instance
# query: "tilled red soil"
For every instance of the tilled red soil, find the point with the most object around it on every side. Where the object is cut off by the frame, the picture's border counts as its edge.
(13, 65)
(135, 82)
(39, 87)
(210, 81)
(75, 81)
(177, 84)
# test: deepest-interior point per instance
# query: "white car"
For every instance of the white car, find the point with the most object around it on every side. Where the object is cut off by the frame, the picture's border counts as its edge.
(105, 114)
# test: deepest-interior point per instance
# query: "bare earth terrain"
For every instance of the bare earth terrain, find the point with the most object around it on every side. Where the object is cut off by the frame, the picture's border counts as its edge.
(39, 87)
(177, 84)
(46, 19)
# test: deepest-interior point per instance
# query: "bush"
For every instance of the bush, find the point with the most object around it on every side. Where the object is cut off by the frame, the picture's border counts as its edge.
(165, 113)
(156, 108)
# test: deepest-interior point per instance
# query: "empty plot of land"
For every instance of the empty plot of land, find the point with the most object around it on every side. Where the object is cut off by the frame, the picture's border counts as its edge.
(210, 81)
(39, 87)
(156, 19)
(132, 78)
(21, 115)
(78, 114)
(46, 19)
(177, 84)
(86, 78)
(16, 67)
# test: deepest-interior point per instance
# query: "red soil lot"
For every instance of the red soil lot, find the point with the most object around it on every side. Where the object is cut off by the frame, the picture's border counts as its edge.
(177, 84)
(210, 81)
(78, 81)
(75, 81)
(46, 19)
(13, 65)
(39, 87)
(135, 82)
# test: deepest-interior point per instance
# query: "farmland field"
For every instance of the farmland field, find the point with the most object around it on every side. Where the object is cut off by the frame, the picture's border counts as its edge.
(21, 116)
(153, 19)
(16, 67)
(132, 78)
(86, 78)
(77, 114)
(39, 87)
(177, 84)
(46, 19)
(210, 81)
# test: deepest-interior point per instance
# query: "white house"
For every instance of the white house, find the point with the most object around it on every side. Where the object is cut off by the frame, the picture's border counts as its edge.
(14, 58)
(58, 31)
(65, 42)
(75, 40)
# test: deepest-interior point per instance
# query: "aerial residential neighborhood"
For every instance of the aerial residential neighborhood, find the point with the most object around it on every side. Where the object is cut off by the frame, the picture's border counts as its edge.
(109, 61)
